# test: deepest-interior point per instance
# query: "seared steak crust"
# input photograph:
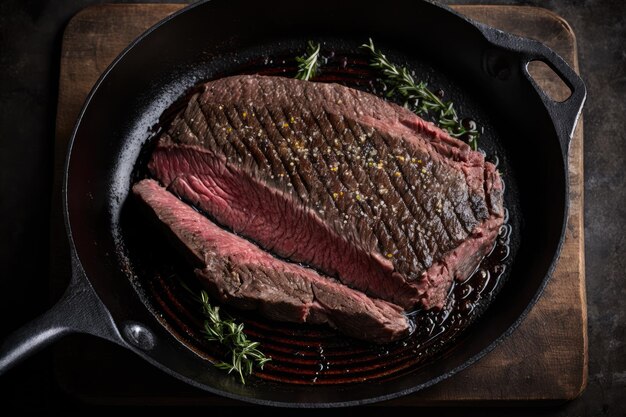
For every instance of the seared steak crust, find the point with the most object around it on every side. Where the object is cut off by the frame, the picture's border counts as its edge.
(416, 206)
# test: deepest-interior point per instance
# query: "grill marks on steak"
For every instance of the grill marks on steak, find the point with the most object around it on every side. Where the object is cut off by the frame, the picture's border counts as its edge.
(242, 275)
(361, 163)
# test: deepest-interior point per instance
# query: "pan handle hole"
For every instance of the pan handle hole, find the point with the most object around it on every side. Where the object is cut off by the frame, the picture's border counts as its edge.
(549, 81)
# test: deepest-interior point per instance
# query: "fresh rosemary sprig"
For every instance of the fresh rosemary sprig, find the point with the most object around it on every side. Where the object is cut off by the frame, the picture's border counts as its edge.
(420, 99)
(244, 353)
(309, 62)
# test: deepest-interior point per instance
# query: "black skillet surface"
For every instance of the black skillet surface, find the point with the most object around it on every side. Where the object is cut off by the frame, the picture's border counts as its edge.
(481, 69)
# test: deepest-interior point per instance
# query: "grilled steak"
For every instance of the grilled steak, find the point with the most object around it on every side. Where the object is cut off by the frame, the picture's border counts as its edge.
(241, 274)
(341, 180)
(283, 225)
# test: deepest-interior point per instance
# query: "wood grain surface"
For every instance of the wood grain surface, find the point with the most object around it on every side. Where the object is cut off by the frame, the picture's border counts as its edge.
(544, 360)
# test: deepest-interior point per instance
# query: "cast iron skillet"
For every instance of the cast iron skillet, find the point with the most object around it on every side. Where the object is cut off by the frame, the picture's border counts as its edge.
(212, 37)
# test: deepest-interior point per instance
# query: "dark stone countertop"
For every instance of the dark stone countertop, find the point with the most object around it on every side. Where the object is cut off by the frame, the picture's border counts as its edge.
(30, 40)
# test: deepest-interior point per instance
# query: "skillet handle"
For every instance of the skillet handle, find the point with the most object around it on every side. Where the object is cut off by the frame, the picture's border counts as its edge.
(564, 114)
(78, 311)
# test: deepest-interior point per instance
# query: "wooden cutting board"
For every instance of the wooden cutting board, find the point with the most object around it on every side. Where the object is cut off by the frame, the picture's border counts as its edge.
(544, 360)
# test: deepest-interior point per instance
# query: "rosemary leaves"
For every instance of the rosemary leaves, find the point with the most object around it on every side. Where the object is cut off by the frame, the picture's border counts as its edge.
(419, 99)
(309, 62)
(244, 353)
